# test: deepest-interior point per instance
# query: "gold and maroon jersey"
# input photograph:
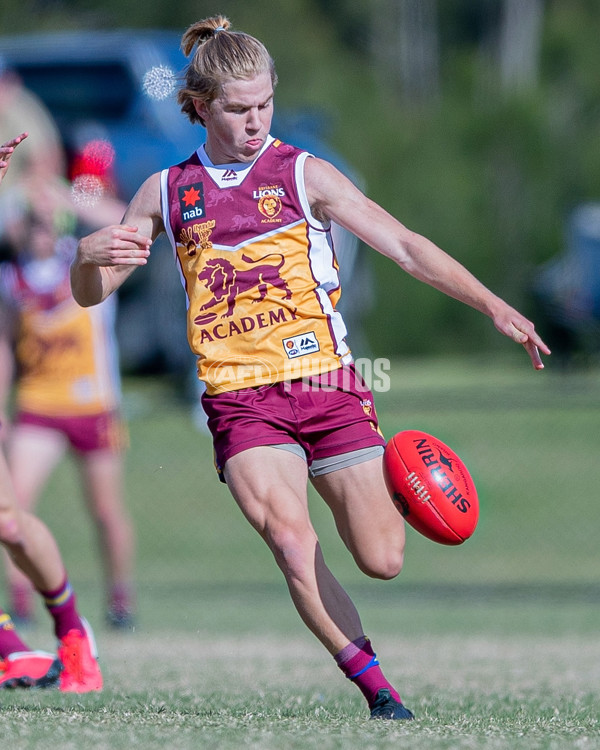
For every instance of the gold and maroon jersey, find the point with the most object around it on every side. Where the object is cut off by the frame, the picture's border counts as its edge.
(66, 355)
(259, 271)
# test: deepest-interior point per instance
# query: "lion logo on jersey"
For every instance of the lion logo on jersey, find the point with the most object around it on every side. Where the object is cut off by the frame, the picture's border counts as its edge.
(269, 206)
(226, 282)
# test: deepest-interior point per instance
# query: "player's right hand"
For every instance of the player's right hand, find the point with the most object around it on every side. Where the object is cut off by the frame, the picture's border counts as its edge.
(116, 245)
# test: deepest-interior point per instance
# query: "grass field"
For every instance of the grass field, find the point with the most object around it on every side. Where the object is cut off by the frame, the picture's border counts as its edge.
(493, 644)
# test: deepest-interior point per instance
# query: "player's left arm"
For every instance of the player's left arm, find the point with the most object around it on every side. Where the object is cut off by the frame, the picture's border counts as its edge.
(333, 196)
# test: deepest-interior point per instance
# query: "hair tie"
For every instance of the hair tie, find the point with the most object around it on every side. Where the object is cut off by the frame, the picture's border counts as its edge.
(219, 28)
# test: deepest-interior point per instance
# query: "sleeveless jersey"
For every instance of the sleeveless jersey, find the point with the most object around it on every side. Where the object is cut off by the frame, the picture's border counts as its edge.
(66, 355)
(259, 271)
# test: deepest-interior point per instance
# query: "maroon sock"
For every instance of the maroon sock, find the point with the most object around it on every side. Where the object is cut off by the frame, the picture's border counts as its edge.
(61, 604)
(9, 640)
(359, 663)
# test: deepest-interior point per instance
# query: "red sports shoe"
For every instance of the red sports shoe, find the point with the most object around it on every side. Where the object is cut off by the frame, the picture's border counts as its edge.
(29, 669)
(79, 657)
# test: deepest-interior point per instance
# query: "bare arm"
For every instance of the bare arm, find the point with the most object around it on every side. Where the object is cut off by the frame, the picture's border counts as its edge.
(333, 196)
(106, 258)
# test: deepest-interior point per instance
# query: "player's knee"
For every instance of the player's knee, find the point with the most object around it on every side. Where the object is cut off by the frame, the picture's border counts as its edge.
(383, 564)
(10, 530)
(290, 548)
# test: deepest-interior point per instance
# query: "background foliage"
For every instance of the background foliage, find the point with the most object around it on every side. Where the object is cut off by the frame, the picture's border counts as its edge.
(485, 166)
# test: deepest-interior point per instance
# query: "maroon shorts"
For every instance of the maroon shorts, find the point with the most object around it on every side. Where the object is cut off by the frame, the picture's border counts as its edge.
(327, 416)
(93, 432)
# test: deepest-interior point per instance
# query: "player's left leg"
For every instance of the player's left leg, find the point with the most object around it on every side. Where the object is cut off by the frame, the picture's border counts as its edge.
(365, 516)
(102, 472)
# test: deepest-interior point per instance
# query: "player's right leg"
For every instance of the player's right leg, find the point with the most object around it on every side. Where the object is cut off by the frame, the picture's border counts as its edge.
(269, 486)
(102, 472)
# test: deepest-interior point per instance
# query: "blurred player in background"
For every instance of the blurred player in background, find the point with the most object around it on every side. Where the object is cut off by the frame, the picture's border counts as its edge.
(67, 391)
(33, 549)
(42, 153)
(249, 218)
(40, 157)
(41, 163)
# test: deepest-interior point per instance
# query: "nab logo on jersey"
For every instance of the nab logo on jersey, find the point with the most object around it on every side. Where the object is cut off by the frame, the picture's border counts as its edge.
(191, 202)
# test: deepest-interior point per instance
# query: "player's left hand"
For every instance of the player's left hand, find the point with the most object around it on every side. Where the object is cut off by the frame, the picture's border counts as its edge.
(522, 331)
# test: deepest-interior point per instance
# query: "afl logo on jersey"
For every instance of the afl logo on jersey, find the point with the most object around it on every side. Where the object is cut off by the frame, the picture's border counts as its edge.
(191, 202)
(298, 346)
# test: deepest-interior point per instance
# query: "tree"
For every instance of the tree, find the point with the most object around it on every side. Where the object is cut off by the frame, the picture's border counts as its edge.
(405, 47)
(520, 40)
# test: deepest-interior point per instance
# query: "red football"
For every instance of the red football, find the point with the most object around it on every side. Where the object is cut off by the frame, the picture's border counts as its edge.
(431, 487)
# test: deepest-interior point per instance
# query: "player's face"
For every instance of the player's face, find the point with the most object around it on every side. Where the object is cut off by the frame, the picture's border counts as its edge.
(238, 120)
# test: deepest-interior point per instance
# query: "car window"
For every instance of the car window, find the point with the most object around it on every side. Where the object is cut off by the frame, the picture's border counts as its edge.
(98, 91)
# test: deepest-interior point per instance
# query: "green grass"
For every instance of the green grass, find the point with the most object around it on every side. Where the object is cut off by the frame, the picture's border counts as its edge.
(267, 690)
(493, 644)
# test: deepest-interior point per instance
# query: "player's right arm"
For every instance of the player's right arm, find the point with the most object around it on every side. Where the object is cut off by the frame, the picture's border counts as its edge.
(106, 258)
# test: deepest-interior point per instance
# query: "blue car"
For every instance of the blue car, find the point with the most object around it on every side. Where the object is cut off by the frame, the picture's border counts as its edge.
(95, 82)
